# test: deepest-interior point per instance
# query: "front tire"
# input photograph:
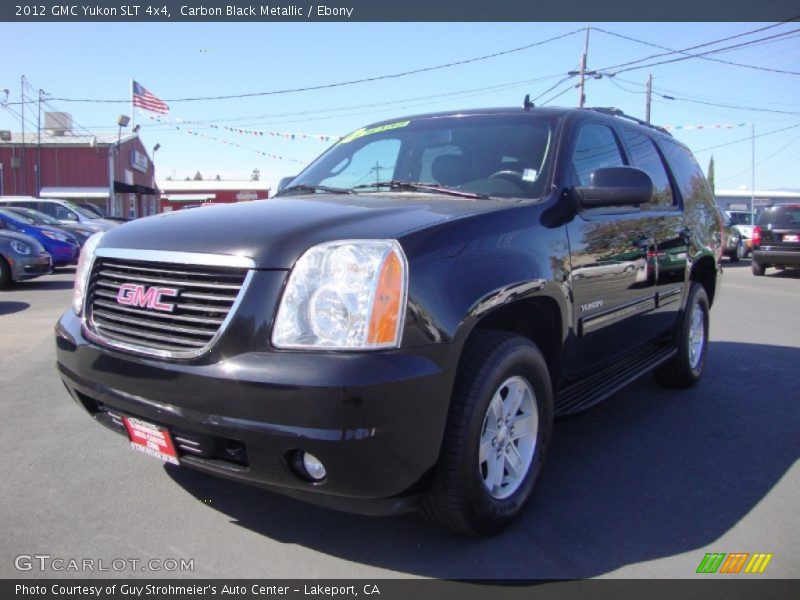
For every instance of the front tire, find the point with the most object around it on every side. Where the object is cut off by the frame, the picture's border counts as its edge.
(497, 435)
(5, 274)
(691, 340)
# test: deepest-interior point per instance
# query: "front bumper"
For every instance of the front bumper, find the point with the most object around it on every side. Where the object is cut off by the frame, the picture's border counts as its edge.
(31, 266)
(375, 419)
(783, 258)
(65, 254)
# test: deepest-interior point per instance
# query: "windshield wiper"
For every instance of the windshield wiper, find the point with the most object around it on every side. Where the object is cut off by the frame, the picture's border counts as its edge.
(415, 186)
(302, 187)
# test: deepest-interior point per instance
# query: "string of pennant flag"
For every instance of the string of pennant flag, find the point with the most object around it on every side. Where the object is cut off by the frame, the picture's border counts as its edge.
(716, 126)
(182, 127)
(281, 134)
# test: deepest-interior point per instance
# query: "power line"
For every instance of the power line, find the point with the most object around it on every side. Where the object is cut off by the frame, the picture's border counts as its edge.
(318, 111)
(702, 54)
(696, 46)
(346, 83)
(681, 98)
(748, 138)
(672, 50)
(561, 93)
(761, 162)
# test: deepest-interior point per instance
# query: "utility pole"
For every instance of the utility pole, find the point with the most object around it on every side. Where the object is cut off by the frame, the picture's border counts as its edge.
(649, 97)
(583, 72)
(22, 123)
(377, 169)
(39, 146)
(753, 174)
(584, 60)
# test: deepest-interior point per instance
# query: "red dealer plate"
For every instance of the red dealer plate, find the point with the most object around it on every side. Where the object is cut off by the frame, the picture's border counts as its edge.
(151, 439)
(791, 237)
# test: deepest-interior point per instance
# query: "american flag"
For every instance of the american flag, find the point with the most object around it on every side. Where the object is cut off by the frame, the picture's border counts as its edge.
(147, 101)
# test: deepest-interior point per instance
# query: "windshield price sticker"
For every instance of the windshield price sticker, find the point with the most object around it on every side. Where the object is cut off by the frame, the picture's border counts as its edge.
(364, 131)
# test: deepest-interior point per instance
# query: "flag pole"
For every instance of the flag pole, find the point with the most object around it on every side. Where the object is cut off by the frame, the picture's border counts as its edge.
(133, 111)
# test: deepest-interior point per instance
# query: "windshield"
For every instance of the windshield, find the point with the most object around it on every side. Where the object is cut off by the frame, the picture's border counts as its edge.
(34, 217)
(15, 218)
(741, 218)
(486, 155)
(80, 210)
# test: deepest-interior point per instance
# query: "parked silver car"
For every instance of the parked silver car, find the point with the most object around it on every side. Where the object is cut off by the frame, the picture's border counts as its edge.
(21, 257)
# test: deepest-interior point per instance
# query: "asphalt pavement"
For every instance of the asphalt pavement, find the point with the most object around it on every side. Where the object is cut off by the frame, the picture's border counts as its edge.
(642, 485)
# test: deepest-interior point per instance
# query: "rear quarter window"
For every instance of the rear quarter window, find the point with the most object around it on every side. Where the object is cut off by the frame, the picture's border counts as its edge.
(699, 208)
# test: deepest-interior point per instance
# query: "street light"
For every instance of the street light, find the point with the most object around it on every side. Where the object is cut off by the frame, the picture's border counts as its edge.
(122, 121)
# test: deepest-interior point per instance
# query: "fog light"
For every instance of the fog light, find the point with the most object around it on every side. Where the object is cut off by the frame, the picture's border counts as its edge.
(313, 467)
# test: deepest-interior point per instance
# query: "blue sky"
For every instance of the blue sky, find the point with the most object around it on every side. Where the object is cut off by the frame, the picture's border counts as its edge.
(179, 60)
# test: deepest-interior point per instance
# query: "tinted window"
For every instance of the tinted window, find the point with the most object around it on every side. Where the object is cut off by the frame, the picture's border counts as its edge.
(645, 156)
(781, 217)
(698, 200)
(691, 180)
(373, 162)
(498, 155)
(47, 208)
(596, 148)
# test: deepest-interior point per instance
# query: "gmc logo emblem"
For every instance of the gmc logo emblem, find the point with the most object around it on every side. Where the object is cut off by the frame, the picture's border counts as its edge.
(133, 294)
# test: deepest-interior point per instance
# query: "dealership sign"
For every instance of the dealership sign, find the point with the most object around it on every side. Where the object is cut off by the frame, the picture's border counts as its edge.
(139, 161)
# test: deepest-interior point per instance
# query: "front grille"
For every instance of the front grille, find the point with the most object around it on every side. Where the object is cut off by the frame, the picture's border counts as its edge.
(204, 297)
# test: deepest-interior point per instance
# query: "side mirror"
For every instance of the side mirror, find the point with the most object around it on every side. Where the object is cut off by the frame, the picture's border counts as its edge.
(615, 186)
(285, 181)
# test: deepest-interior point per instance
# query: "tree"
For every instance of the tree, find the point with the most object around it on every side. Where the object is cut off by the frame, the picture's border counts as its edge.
(255, 175)
(710, 176)
(218, 178)
(198, 176)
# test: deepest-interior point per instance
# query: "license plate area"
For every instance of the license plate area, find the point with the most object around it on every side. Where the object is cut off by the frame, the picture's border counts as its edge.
(791, 237)
(150, 439)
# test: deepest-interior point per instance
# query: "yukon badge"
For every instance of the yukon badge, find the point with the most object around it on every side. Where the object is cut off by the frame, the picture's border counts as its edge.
(591, 305)
(133, 294)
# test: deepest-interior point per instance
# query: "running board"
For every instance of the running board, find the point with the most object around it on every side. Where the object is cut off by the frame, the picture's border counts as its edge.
(587, 392)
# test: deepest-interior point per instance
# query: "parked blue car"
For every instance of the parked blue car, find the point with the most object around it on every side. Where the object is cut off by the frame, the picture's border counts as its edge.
(62, 246)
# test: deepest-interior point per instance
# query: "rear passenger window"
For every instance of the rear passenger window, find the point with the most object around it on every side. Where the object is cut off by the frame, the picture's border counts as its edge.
(596, 148)
(645, 156)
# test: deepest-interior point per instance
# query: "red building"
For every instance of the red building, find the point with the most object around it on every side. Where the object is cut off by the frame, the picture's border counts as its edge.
(108, 169)
(177, 195)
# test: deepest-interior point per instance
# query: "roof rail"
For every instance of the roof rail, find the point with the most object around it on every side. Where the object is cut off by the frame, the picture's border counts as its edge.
(615, 112)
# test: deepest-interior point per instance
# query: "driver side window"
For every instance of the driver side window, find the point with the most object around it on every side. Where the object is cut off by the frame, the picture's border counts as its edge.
(596, 148)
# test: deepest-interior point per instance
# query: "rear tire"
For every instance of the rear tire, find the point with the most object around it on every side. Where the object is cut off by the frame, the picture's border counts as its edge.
(5, 274)
(686, 367)
(757, 268)
(738, 253)
(498, 431)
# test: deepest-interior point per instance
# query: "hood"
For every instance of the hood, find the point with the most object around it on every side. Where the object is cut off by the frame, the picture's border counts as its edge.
(275, 232)
(5, 234)
(42, 228)
(99, 224)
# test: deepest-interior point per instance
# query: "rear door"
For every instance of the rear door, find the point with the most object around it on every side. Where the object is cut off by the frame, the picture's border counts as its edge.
(667, 261)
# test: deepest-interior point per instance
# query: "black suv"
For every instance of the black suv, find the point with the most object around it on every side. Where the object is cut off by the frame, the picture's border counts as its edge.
(776, 238)
(398, 328)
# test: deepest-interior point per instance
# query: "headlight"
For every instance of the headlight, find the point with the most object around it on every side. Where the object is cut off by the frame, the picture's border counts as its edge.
(348, 294)
(83, 270)
(20, 247)
(53, 235)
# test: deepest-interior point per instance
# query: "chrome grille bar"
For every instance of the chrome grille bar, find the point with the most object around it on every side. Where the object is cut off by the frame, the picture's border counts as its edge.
(187, 322)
